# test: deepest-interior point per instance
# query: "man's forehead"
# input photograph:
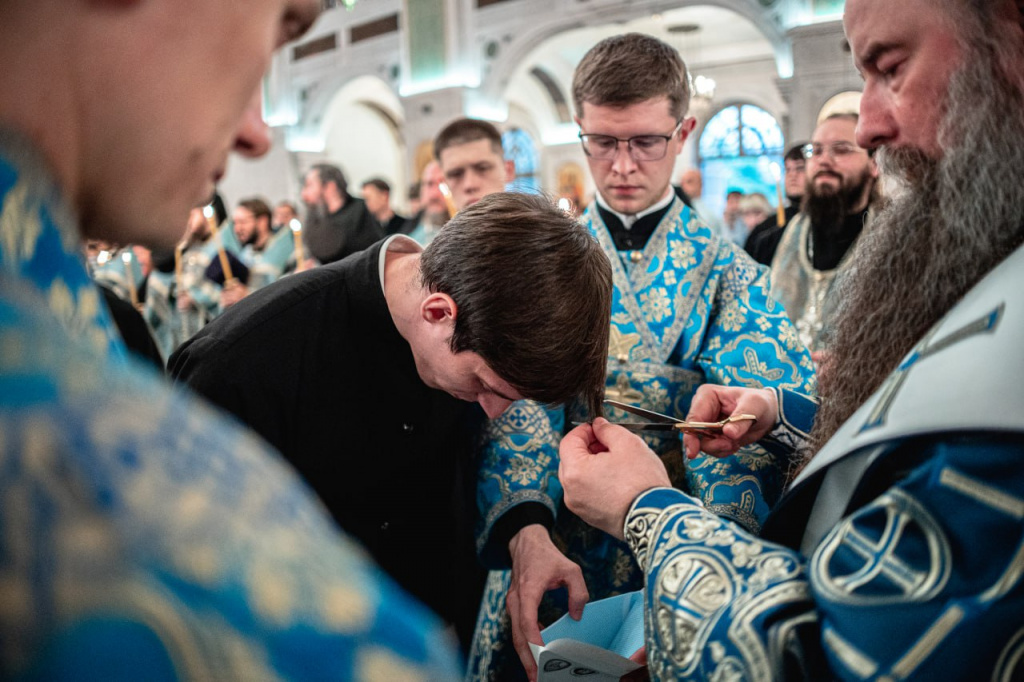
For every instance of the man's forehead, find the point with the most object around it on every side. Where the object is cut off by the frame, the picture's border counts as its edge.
(471, 152)
(835, 129)
(647, 110)
(432, 173)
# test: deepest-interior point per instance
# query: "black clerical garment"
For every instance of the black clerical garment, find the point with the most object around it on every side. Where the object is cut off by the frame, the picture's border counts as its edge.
(350, 229)
(315, 365)
(765, 237)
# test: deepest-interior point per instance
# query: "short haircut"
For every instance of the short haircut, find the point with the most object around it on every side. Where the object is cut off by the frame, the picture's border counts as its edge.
(329, 173)
(629, 69)
(258, 207)
(464, 131)
(795, 153)
(533, 291)
(379, 184)
(291, 206)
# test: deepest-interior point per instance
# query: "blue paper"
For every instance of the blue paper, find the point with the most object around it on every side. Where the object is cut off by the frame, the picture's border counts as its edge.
(615, 624)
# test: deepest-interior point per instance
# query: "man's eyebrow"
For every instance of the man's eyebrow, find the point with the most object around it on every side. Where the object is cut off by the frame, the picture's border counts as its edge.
(874, 50)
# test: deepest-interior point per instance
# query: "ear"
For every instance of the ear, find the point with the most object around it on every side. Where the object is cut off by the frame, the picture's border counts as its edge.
(510, 171)
(689, 123)
(438, 308)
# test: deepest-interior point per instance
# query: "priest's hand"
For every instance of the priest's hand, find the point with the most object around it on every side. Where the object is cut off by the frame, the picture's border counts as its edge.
(713, 403)
(603, 469)
(538, 566)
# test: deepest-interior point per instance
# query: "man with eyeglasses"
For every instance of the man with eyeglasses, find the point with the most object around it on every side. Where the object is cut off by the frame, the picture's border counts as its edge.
(814, 250)
(688, 307)
(764, 238)
(895, 554)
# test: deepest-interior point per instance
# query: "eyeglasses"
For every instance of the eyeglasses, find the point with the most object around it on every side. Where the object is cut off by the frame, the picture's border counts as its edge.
(641, 147)
(836, 150)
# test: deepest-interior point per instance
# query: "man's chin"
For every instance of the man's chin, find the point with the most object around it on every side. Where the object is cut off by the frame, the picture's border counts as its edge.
(627, 205)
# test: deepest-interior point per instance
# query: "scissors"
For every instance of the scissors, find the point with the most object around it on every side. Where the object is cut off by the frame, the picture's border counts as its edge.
(663, 422)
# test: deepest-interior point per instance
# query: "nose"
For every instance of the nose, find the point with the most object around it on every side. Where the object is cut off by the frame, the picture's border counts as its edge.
(876, 125)
(623, 163)
(493, 405)
(253, 136)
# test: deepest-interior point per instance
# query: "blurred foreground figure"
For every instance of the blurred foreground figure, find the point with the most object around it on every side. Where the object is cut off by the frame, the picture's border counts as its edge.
(142, 535)
(896, 551)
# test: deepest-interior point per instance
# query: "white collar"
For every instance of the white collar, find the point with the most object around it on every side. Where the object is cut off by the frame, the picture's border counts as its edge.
(397, 242)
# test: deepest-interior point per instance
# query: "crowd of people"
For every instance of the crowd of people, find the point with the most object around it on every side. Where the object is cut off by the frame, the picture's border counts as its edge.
(335, 442)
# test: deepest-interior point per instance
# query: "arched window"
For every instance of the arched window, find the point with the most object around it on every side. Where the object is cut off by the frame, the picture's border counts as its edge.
(737, 149)
(520, 148)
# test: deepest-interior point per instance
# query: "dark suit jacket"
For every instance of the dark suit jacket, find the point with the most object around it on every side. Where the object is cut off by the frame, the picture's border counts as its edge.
(315, 365)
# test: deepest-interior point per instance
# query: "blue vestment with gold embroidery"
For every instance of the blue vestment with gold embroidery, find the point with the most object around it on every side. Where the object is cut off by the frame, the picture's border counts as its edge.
(689, 308)
(142, 535)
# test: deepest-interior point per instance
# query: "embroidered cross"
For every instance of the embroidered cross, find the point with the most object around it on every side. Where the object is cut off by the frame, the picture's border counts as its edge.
(926, 348)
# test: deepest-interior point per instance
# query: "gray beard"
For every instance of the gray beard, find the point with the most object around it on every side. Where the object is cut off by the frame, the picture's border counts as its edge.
(946, 224)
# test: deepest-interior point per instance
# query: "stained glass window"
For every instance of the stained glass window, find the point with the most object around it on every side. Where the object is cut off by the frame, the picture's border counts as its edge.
(520, 148)
(738, 148)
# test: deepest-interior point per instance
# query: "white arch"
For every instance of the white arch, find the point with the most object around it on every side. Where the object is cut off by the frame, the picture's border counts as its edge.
(361, 127)
(534, 34)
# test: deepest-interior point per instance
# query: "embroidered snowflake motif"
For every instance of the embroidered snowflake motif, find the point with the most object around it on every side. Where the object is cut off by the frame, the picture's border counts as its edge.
(732, 318)
(655, 397)
(683, 254)
(763, 323)
(621, 318)
(714, 344)
(670, 278)
(788, 336)
(522, 470)
(655, 304)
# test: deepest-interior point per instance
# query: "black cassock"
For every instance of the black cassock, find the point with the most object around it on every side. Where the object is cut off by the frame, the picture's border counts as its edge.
(315, 365)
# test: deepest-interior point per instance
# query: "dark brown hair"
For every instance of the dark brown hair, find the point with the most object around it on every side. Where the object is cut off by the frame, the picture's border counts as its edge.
(380, 184)
(328, 173)
(533, 295)
(628, 69)
(258, 207)
(464, 131)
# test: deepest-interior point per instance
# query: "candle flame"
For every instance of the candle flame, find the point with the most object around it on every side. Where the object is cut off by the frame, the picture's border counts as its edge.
(776, 172)
(295, 225)
(208, 211)
(102, 257)
(564, 205)
(126, 257)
